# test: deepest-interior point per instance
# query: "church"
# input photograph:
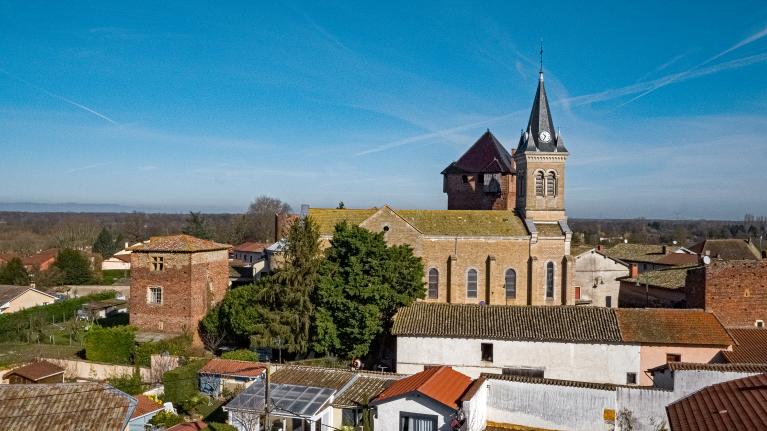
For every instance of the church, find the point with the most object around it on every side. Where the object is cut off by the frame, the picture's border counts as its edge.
(504, 238)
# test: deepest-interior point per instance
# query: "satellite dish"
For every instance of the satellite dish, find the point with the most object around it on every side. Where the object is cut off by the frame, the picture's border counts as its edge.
(706, 260)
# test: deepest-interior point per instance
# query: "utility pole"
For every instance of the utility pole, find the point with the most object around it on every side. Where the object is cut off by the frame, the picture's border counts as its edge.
(267, 409)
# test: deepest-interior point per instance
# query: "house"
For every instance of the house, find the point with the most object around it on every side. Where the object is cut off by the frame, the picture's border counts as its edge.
(6, 257)
(15, 298)
(750, 346)
(102, 309)
(35, 372)
(228, 374)
(728, 249)
(175, 280)
(647, 256)
(590, 344)
(597, 278)
(70, 406)
(41, 261)
(275, 254)
(117, 262)
(146, 409)
(249, 252)
(733, 405)
(663, 288)
(309, 398)
(425, 401)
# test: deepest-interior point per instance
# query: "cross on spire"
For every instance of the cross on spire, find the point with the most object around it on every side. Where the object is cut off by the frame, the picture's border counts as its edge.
(541, 70)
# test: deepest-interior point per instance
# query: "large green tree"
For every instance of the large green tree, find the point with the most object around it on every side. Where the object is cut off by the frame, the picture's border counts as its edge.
(106, 245)
(362, 283)
(14, 272)
(196, 225)
(74, 266)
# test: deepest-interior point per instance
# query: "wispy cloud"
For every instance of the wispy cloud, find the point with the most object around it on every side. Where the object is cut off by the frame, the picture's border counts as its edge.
(678, 76)
(148, 168)
(85, 168)
(59, 97)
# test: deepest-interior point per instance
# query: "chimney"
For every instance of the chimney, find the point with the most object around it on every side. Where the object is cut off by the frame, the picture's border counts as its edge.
(665, 249)
(633, 270)
(600, 248)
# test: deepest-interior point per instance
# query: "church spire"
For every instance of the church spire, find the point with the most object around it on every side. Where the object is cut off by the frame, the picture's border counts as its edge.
(541, 134)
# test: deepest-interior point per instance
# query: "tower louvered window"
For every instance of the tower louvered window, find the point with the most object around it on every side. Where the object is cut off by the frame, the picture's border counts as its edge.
(551, 184)
(539, 184)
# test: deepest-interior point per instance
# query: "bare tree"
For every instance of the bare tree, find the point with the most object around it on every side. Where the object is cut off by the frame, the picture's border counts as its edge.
(258, 222)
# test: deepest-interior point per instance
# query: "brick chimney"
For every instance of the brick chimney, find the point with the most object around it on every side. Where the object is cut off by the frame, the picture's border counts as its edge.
(633, 270)
(600, 248)
(665, 249)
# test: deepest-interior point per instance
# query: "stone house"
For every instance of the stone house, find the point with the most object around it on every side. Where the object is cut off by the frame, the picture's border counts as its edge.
(175, 280)
(597, 278)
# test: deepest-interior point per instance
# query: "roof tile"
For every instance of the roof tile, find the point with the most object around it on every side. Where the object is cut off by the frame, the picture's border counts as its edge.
(178, 243)
(671, 326)
(442, 384)
(231, 367)
(750, 346)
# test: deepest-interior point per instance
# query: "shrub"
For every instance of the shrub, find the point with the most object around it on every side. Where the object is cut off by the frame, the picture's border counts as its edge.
(217, 426)
(241, 355)
(130, 384)
(166, 419)
(113, 345)
(181, 383)
(177, 346)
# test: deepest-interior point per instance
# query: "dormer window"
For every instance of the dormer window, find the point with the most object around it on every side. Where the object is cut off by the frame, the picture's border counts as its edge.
(158, 263)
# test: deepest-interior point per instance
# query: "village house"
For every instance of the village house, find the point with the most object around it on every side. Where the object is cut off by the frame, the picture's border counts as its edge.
(15, 298)
(249, 252)
(102, 309)
(69, 406)
(728, 249)
(175, 281)
(228, 374)
(35, 373)
(509, 243)
(597, 278)
(119, 262)
(662, 288)
(146, 409)
(41, 261)
(590, 344)
(649, 257)
(425, 401)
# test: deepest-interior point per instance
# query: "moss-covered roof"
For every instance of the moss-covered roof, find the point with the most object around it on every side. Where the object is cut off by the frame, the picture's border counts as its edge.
(638, 252)
(328, 218)
(671, 278)
(432, 222)
(548, 229)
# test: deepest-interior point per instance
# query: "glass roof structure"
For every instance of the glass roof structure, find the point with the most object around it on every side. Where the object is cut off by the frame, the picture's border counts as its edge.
(287, 400)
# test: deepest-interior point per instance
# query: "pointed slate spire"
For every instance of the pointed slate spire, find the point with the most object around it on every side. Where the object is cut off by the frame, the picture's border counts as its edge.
(541, 134)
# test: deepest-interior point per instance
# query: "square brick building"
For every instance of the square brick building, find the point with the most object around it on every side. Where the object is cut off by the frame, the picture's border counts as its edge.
(175, 280)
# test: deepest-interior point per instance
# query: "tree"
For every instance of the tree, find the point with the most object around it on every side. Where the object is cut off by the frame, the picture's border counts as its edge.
(106, 245)
(258, 221)
(14, 272)
(361, 285)
(196, 225)
(75, 267)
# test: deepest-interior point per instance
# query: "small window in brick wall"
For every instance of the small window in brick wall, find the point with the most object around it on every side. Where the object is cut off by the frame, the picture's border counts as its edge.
(155, 295)
(158, 263)
(487, 352)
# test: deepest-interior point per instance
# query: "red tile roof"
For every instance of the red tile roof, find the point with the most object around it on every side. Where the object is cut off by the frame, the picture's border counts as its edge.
(36, 370)
(231, 367)
(145, 406)
(750, 347)
(40, 258)
(179, 244)
(251, 247)
(671, 326)
(125, 257)
(189, 426)
(739, 404)
(442, 384)
(678, 259)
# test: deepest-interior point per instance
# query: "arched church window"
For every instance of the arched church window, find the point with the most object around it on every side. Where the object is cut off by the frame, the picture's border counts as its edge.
(510, 283)
(550, 280)
(539, 184)
(471, 283)
(433, 283)
(551, 184)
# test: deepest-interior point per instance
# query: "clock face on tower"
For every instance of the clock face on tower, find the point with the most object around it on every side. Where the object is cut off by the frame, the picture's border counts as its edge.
(544, 136)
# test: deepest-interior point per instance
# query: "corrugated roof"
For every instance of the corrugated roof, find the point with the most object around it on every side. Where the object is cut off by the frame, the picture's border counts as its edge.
(362, 389)
(501, 322)
(671, 326)
(442, 384)
(668, 278)
(231, 367)
(71, 406)
(554, 382)
(724, 368)
(145, 405)
(750, 347)
(739, 404)
(178, 244)
(312, 376)
(727, 249)
(36, 370)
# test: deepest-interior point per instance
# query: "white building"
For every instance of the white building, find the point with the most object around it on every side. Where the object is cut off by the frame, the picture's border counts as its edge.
(596, 278)
(427, 401)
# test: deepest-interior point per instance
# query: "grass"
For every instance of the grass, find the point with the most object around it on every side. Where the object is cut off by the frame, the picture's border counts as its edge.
(16, 353)
(109, 276)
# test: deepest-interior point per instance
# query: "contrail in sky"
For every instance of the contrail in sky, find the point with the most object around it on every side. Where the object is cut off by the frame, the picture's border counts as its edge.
(62, 98)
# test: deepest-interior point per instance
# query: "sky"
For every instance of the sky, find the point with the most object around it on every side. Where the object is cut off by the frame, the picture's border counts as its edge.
(191, 105)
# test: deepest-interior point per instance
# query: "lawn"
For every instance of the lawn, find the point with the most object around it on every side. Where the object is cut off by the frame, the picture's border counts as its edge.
(14, 353)
(109, 276)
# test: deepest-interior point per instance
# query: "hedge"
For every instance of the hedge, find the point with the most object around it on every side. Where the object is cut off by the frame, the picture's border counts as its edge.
(241, 355)
(177, 346)
(13, 325)
(181, 383)
(113, 345)
(130, 384)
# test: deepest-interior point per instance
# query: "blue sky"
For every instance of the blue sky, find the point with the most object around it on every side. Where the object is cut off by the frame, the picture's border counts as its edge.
(191, 105)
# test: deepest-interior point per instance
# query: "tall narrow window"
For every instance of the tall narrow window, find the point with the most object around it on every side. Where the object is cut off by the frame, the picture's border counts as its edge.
(539, 184)
(551, 184)
(433, 283)
(510, 284)
(471, 283)
(550, 280)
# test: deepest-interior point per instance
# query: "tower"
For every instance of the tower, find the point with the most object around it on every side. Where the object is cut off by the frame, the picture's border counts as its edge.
(540, 161)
